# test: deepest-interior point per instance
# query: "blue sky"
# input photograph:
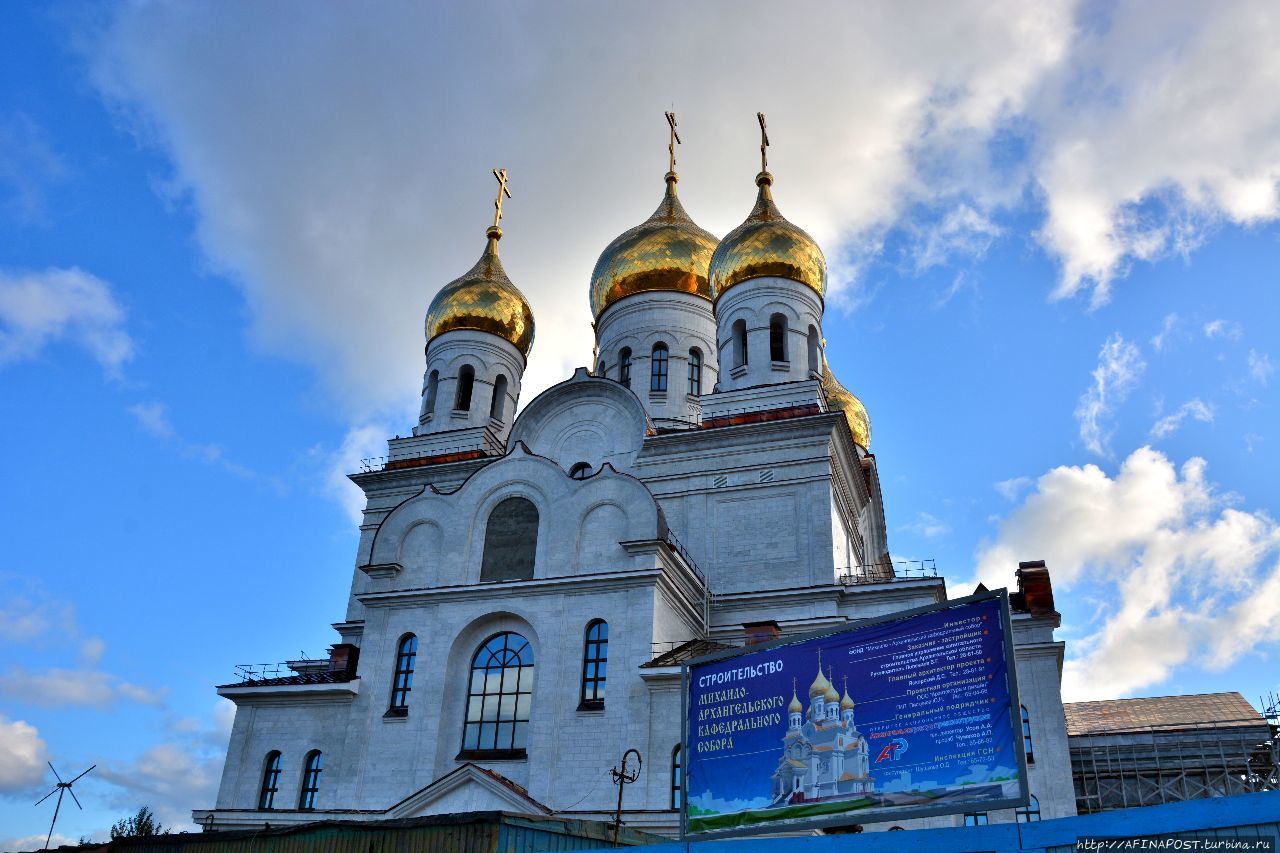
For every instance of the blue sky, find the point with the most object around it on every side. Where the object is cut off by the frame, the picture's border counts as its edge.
(1053, 241)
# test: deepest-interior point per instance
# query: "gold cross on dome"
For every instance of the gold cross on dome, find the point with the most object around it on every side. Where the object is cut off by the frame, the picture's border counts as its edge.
(675, 140)
(764, 143)
(501, 175)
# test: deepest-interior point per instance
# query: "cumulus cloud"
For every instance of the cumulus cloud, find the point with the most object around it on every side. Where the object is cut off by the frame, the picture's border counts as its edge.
(1013, 488)
(28, 613)
(366, 441)
(1119, 367)
(56, 687)
(1192, 580)
(1223, 329)
(22, 756)
(1260, 367)
(41, 308)
(1172, 422)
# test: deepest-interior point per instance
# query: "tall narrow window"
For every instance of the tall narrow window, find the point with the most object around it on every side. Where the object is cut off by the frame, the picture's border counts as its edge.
(311, 780)
(466, 379)
(624, 366)
(815, 351)
(433, 383)
(695, 371)
(499, 696)
(677, 779)
(739, 343)
(270, 781)
(510, 541)
(658, 368)
(778, 338)
(402, 681)
(595, 660)
(1031, 813)
(499, 403)
(1026, 736)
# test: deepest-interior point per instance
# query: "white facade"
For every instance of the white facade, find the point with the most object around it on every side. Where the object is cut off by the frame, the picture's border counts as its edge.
(671, 518)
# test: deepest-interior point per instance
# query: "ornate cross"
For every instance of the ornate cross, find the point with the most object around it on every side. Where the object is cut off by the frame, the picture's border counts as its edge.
(501, 175)
(675, 140)
(764, 143)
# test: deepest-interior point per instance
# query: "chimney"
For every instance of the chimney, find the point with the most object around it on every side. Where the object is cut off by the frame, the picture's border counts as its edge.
(761, 632)
(343, 658)
(1035, 591)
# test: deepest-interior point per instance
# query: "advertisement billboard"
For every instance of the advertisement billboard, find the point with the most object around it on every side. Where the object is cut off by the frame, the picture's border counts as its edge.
(911, 715)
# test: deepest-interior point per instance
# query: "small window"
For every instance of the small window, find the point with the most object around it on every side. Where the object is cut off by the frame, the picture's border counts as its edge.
(595, 661)
(658, 368)
(895, 829)
(677, 778)
(695, 372)
(778, 338)
(815, 351)
(739, 343)
(510, 541)
(466, 379)
(1026, 736)
(499, 403)
(433, 383)
(624, 366)
(975, 819)
(580, 471)
(311, 780)
(270, 781)
(1031, 813)
(499, 696)
(402, 681)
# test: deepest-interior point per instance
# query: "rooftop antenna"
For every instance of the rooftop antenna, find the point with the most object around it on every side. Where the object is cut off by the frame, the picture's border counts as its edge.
(60, 789)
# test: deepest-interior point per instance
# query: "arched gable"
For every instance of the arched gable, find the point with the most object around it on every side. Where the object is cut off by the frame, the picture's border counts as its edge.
(584, 419)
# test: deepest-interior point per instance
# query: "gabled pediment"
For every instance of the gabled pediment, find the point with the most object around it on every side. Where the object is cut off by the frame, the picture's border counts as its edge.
(468, 789)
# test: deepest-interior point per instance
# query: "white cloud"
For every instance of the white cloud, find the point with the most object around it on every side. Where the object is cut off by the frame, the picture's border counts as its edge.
(1183, 572)
(1260, 367)
(1223, 329)
(28, 613)
(22, 756)
(92, 650)
(928, 526)
(360, 442)
(962, 233)
(154, 418)
(1167, 328)
(56, 687)
(1120, 365)
(1172, 422)
(1013, 488)
(40, 308)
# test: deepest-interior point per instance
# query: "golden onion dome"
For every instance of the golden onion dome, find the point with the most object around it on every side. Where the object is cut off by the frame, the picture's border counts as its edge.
(831, 694)
(820, 684)
(767, 245)
(841, 399)
(795, 707)
(484, 300)
(667, 251)
(846, 704)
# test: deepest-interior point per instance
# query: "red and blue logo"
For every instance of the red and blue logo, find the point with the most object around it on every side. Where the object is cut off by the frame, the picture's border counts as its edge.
(893, 750)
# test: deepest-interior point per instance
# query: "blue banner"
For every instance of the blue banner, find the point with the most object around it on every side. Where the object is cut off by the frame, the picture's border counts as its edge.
(910, 716)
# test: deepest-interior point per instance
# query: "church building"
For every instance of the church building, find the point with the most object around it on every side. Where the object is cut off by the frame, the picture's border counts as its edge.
(527, 585)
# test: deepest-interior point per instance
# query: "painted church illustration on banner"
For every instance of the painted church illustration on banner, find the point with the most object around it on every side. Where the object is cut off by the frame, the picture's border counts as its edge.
(824, 756)
(528, 581)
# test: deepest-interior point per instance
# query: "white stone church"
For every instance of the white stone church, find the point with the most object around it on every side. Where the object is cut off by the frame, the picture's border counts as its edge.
(526, 586)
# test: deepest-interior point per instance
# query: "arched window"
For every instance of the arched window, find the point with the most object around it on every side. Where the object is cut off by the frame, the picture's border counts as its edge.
(1030, 813)
(311, 780)
(402, 680)
(510, 541)
(895, 829)
(778, 338)
(499, 397)
(1026, 736)
(580, 470)
(815, 351)
(624, 366)
(677, 778)
(433, 383)
(739, 343)
(466, 379)
(975, 819)
(270, 781)
(658, 368)
(595, 661)
(498, 698)
(695, 371)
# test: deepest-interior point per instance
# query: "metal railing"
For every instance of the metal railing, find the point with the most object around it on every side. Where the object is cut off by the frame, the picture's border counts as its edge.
(887, 572)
